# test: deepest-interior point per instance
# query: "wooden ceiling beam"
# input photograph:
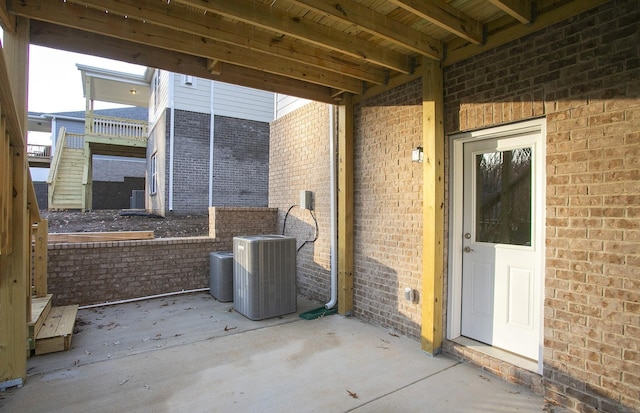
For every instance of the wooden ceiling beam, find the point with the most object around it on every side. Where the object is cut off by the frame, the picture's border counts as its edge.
(378, 24)
(7, 20)
(504, 29)
(518, 9)
(79, 41)
(272, 19)
(76, 16)
(446, 16)
(215, 27)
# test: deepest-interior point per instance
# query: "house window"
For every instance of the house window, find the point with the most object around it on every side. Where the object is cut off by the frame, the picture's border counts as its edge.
(153, 186)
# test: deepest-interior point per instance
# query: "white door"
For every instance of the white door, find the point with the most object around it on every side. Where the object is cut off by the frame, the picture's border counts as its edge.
(502, 250)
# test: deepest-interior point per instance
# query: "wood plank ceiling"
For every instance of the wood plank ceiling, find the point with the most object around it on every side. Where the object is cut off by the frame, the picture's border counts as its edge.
(315, 49)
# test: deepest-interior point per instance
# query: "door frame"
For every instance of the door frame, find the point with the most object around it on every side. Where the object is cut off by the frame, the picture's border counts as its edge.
(454, 273)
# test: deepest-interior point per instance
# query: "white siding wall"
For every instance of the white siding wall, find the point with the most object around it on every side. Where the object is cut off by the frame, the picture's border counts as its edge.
(229, 100)
(193, 98)
(156, 107)
(286, 104)
(243, 102)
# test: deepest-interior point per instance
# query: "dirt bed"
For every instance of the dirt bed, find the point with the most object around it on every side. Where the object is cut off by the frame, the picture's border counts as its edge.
(113, 220)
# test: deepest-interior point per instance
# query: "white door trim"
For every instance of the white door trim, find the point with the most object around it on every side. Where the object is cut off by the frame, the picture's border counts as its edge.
(454, 306)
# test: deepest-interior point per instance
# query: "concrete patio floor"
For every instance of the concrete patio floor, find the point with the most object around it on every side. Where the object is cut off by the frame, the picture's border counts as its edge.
(191, 353)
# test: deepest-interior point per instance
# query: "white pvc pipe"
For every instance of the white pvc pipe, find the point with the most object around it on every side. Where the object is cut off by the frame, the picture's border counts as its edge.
(149, 297)
(334, 237)
(171, 138)
(211, 142)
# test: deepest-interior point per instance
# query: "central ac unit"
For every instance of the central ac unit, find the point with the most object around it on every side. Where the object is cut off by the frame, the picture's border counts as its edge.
(264, 276)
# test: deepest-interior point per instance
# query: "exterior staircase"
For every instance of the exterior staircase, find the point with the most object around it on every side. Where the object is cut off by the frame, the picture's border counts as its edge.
(70, 175)
(65, 179)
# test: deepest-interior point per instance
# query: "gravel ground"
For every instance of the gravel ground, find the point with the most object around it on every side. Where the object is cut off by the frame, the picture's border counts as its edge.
(112, 220)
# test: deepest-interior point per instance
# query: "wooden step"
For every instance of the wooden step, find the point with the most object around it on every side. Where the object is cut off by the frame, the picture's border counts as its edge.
(57, 331)
(40, 308)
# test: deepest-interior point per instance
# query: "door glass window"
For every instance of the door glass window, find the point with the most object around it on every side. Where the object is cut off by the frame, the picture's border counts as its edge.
(503, 197)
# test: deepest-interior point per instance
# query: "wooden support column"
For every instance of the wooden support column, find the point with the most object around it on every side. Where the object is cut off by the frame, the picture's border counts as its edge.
(433, 206)
(15, 280)
(40, 259)
(345, 206)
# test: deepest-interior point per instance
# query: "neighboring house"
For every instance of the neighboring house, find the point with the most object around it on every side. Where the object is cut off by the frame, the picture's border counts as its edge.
(208, 145)
(114, 177)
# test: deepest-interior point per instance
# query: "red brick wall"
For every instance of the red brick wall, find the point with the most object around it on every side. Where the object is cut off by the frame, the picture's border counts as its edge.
(388, 208)
(584, 76)
(299, 160)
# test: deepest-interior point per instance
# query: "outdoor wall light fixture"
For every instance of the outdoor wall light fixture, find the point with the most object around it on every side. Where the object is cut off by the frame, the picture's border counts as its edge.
(133, 91)
(417, 155)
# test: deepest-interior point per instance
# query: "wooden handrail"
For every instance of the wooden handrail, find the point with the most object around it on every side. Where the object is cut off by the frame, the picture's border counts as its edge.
(53, 170)
(110, 126)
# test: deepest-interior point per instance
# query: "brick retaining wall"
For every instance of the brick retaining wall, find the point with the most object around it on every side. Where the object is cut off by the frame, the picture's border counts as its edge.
(96, 272)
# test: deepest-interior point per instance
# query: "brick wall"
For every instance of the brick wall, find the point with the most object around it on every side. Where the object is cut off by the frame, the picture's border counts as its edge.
(388, 208)
(240, 165)
(90, 273)
(228, 222)
(115, 195)
(95, 272)
(115, 169)
(191, 162)
(584, 76)
(241, 162)
(299, 160)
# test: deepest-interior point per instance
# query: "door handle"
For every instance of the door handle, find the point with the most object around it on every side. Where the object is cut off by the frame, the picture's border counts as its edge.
(468, 249)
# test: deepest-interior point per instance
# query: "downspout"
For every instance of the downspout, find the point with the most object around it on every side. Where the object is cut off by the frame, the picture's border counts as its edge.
(211, 141)
(54, 134)
(171, 138)
(333, 212)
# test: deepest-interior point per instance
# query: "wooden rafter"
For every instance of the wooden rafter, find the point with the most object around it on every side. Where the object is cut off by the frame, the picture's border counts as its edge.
(445, 16)
(378, 24)
(518, 9)
(215, 27)
(74, 40)
(136, 31)
(317, 49)
(272, 19)
(7, 21)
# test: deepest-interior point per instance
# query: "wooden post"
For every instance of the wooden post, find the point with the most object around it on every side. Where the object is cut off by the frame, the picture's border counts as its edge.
(40, 259)
(6, 189)
(345, 206)
(15, 285)
(433, 206)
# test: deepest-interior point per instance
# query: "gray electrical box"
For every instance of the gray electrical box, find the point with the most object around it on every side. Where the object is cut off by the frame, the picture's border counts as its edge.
(221, 275)
(306, 200)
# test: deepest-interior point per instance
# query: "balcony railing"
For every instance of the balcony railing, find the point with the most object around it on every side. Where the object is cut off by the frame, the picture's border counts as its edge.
(39, 151)
(111, 127)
